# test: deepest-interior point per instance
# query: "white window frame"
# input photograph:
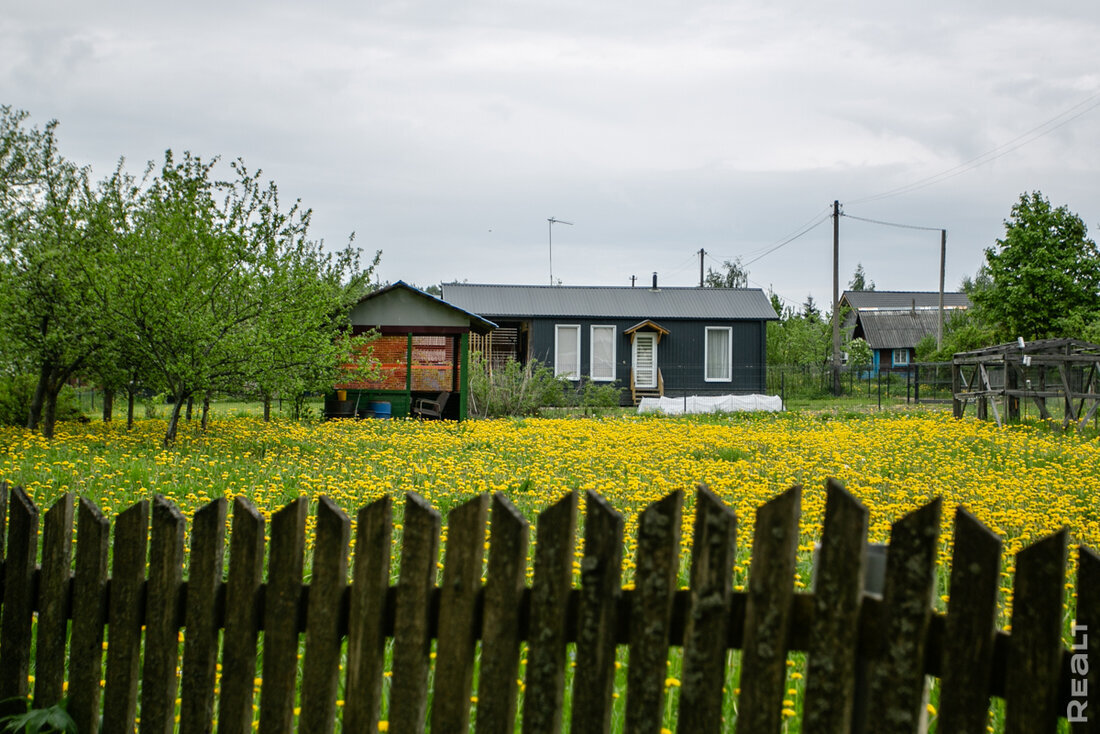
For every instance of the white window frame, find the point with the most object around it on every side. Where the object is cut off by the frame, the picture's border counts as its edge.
(575, 373)
(592, 353)
(894, 357)
(729, 354)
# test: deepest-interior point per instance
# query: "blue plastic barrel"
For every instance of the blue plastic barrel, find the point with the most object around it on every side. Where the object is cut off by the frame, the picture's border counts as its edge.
(381, 410)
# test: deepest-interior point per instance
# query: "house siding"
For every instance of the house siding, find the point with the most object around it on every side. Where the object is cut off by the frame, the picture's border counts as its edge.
(680, 353)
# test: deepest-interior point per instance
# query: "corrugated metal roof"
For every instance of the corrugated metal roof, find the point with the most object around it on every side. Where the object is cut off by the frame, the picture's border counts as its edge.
(897, 329)
(503, 301)
(904, 299)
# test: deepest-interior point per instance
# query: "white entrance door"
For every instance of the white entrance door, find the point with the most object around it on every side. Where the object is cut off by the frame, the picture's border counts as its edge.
(645, 361)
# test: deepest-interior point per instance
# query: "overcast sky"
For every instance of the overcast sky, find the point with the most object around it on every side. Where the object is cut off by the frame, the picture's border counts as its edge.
(445, 134)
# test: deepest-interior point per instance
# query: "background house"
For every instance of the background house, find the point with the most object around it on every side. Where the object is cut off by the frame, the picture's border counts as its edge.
(423, 347)
(650, 341)
(893, 322)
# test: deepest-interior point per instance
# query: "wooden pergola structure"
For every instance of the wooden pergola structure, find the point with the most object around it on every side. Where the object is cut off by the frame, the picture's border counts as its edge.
(1066, 370)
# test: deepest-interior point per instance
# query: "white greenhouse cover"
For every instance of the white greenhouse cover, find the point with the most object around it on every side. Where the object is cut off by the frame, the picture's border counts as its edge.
(711, 404)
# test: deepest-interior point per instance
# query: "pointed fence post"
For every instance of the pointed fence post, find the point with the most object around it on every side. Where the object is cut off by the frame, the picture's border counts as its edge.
(18, 609)
(53, 597)
(1035, 646)
(971, 626)
(546, 635)
(601, 587)
(242, 619)
(160, 676)
(367, 607)
(705, 652)
(200, 647)
(321, 666)
(834, 634)
(411, 636)
(281, 601)
(768, 612)
(504, 592)
(90, 596)
(456, 640)
(656, 566)
(124, 619)
(898, 691)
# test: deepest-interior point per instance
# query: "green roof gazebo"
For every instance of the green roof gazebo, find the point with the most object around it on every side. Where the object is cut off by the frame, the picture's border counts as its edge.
(423, 347)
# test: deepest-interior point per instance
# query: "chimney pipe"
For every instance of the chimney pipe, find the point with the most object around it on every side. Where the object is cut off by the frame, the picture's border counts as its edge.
(654, 280)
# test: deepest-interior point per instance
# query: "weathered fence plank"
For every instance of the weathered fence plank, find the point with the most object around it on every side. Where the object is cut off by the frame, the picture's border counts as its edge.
(767, 613)
(242, 619)
(971, 626)
(897, 701)
(601, 587)
(546, 643)
(1084, 669)
(321, 667)
(200, 646)
(456, 640)
(366, 637)
(834, 635)
(704, 662)
(504, 587)
(278, 690)
(93, 533)
(898, 634)
(656, 566)
(124, 616)
(411, 638)
(15, 630)
(1035, 655)
(159, 677)
(53, 596)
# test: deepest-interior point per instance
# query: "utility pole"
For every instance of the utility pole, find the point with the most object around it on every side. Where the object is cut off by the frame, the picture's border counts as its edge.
(702, 252)
(550, 239)
(943, 267)
(836, 297)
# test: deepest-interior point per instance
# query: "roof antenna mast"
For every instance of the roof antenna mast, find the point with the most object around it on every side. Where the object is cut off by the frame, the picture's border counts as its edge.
(553, 221)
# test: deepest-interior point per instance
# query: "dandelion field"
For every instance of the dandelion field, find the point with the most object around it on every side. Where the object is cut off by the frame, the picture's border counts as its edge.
(1024, 482)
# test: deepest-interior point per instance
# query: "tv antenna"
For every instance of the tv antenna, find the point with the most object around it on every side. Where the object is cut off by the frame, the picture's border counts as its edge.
(553, 221)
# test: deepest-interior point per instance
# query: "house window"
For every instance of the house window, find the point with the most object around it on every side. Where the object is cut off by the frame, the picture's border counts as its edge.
(602, 367)
(567, 351)
(719, 354)
(901, 357)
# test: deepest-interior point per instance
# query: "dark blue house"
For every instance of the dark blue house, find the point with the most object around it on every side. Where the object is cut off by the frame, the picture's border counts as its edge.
(649, 341)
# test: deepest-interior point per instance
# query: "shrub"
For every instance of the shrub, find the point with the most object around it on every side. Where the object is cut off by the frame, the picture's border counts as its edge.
(513, 389)
(16, 393)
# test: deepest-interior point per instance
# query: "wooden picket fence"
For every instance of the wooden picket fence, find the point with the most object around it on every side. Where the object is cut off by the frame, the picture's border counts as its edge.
(868, 655)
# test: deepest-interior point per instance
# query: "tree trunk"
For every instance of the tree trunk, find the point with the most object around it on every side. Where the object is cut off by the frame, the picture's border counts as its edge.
(267, 408)
(205, 410)
(49, 413)
(174, 420)
(34, 415)
(108, 403)
(190, 405)
(130, 408)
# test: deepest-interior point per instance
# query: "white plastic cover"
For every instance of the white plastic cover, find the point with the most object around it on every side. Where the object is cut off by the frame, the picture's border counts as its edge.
(711, 404)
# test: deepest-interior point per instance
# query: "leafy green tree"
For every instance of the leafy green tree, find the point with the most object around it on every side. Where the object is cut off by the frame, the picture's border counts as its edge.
(859, 352)
(1044, 273)
(732, 275)
(220, 286)
(859, 281)
(810, 311)
(46, 206)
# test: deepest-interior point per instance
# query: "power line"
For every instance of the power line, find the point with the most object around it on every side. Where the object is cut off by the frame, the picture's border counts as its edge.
(1030, 136)
(892, 224)
(804, 231)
